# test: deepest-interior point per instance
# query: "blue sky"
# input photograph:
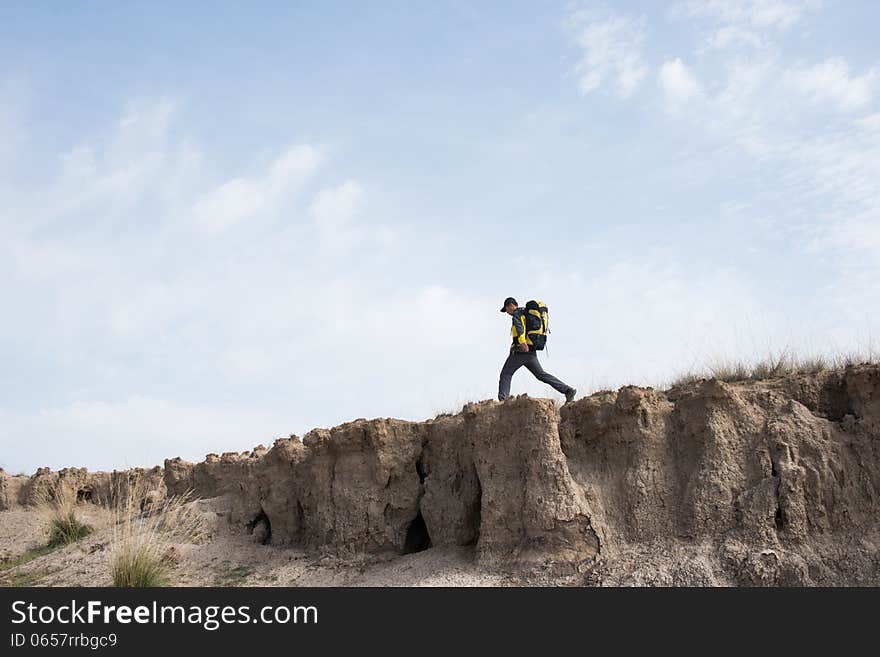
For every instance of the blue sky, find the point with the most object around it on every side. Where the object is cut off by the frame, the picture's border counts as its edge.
(221, 226)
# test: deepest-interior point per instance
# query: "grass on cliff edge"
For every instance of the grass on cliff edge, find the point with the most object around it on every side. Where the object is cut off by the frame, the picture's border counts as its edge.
(775, 365)
(785, 362)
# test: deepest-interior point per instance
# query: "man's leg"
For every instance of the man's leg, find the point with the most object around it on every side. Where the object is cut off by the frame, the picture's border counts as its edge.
(535, 368)
(512, 364)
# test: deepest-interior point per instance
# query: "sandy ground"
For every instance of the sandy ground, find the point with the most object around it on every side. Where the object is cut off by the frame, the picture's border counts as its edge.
(227, 558)
(223, 556)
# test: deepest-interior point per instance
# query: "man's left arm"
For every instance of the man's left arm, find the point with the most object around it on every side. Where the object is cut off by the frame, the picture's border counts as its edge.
(519, 325)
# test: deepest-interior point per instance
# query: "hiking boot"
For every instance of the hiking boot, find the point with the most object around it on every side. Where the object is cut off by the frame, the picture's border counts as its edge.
(570, 395)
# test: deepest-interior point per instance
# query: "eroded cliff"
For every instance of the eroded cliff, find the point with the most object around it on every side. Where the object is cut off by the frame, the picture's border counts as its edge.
(763, 482)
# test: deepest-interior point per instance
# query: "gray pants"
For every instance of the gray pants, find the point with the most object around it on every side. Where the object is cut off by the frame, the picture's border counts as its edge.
(517, 359)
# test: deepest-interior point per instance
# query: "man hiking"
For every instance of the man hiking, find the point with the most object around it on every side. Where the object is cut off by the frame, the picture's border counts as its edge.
(521, 353)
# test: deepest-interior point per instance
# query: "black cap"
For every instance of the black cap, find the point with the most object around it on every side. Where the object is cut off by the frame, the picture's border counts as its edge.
(507, 301)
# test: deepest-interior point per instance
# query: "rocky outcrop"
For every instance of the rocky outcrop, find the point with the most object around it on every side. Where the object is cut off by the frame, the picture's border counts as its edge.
(46, 485)
(754, 483)
(10, 487)
(767, 471)
(496, 476)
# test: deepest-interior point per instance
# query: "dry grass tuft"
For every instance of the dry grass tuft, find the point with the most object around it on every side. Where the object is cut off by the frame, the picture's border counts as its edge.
(145, 532)
(58, 506)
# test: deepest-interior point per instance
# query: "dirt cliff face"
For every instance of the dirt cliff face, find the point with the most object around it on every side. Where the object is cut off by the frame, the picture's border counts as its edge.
(493, 476)
(754, 483)
(778, 480)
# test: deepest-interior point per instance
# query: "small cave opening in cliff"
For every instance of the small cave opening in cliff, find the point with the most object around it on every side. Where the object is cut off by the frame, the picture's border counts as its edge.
(779, 519)
(417, 537)
(835, 402)
(261, 528)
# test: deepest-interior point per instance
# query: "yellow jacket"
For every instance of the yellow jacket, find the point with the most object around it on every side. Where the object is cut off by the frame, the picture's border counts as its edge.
(518, 330)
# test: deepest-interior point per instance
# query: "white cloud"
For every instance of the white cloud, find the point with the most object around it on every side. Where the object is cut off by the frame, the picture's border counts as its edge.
(15, 101)
(860, 232)
(151, 122)
(291, 319)
(845, 167)
(321, 354)
(870, 123)
(133, 163)
(735, 37)
(230, 203)
(251, 363)
(339, 227)
(745, 84)
(241, 198)
(8, 146)
(760, 107)
(778, 14)
(812, 133)
(611, 46)
(135, 432)
(333, 208)
(743, 25)
(678, 82)
(830, 81)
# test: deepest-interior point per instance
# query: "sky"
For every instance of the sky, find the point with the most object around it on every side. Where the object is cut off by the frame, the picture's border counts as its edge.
(223, 224)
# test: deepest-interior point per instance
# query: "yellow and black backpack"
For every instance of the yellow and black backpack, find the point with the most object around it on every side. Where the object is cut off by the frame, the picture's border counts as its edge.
(536, 324)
